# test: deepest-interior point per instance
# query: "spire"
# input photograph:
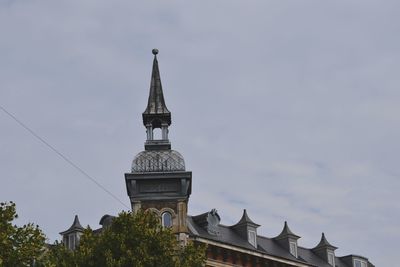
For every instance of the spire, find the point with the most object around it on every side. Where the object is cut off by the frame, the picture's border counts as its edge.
(246, 220)
(76, 223)
(156, 113)
(324, 244)
(76, 226)
(286, 232)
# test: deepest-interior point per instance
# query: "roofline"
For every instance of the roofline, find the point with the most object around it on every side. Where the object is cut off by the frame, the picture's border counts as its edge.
(252, 252)
(72, 231)
(355, 256)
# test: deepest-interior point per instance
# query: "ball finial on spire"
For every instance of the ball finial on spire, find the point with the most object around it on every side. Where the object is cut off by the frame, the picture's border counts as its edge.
(155, 51)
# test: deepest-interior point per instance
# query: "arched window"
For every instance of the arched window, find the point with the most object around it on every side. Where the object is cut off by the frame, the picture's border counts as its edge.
(166, 219)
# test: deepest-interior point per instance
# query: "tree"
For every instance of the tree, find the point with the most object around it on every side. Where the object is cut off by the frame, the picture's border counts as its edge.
(19, 246)
(131, 240)
(136, 240)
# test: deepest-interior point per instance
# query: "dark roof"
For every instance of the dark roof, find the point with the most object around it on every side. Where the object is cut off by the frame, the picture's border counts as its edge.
(310, 257)
(158, 161)
(340, 263)
(156, 107)
(245, 220)
(324, 244)
(76, 226)
(286, 232)
(106, 220)
(271, 247)
(227, 235)
(265, 245)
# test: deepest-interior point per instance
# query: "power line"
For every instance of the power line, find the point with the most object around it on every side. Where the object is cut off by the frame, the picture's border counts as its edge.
(70, 162)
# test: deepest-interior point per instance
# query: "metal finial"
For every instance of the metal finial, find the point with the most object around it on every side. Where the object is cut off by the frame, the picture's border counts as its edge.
(155, 51)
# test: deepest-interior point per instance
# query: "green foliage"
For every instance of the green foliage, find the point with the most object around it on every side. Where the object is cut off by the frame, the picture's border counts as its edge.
(194, 255)
(19, 246)
(133, 240)
(136, 240)
(58, 256)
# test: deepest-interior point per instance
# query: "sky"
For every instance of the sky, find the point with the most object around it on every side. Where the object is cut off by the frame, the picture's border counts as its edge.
(289, 109)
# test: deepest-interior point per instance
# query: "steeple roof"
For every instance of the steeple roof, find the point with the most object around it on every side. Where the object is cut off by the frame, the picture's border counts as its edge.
(156, 111)
(286, 232)
(246, 220)
(324, 244)
(76, 226)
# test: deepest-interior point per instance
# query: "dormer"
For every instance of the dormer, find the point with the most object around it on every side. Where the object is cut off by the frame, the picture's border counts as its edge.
(356, 261)
(209, 221)
(72, 236)
(325, 250)
(106, 220)
(247, 229)
(288, 240)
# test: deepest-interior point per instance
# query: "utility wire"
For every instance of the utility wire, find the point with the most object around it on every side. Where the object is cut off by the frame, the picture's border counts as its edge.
(70, 162)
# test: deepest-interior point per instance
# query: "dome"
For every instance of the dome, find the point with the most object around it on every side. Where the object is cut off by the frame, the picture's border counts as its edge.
(158, 161)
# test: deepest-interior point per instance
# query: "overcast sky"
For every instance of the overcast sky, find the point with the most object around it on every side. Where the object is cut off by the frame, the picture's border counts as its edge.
(290, 109)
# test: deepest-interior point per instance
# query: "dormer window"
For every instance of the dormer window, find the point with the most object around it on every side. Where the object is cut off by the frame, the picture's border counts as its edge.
(360, 263)
(252, 238)
(166, 219)
(293, 248)
(331, 258)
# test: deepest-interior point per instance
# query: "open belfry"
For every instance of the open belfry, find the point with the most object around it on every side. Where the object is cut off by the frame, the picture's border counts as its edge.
(159, 182)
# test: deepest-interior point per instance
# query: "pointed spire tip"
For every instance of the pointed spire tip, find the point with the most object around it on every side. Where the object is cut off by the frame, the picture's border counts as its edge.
(155, 51)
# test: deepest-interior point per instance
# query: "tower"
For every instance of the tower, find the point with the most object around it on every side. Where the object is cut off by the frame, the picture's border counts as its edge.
(158, 180)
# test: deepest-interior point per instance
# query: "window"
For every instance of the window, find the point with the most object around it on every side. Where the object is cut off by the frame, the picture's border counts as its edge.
(293, 248)
(71, 241)
(66, 241)
(360, 263)
(252, 238)
(331, 258)
(77, 238)
(166, 219)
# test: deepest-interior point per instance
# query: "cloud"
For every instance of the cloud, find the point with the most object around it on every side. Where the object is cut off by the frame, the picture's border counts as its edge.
(288, 109)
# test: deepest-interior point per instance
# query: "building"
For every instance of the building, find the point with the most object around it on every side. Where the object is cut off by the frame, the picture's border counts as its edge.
(160, 182)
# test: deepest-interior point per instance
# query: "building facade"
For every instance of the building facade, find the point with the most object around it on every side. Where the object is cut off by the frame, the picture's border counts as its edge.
(159, 182)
